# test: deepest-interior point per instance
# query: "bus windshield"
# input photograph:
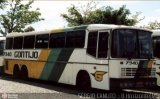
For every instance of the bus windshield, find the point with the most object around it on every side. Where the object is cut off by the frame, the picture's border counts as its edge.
(131, 43)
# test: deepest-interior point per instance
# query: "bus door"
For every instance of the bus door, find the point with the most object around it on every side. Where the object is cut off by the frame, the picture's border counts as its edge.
(97, 57)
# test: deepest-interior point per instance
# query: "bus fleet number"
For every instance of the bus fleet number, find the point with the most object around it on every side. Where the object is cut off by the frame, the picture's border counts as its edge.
(132, 63)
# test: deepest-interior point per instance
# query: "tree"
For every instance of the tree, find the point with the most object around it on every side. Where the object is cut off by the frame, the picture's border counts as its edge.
(18, 17)
(104, 15)
(153, 25)
(136, 17)
(77, 16)
(28, 29)
(2, 4)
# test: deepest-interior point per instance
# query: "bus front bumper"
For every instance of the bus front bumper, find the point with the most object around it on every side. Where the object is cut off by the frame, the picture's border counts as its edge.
(123, 83)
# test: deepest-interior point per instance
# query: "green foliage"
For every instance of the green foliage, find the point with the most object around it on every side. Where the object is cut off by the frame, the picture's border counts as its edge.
(74, 18)
(104, 15)
(2, 4)
(28, 29)
(153, 25)
(18, 17)
(136, 17)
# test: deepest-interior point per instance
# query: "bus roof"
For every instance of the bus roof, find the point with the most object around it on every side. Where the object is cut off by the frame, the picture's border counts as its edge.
(110, 26)
(2, 38)
(156, 32)
(90, 27)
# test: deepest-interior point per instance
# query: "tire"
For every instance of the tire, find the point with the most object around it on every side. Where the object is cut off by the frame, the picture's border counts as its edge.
(24, 72)
(83, 81)
(16, 72)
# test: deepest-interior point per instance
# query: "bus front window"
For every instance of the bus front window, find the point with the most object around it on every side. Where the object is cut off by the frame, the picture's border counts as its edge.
(124, 44)
(145, 44)
(156, 46)
(130, 43)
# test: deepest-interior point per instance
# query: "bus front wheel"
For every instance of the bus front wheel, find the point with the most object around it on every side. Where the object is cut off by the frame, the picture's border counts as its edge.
(24, 72)
(83, 81)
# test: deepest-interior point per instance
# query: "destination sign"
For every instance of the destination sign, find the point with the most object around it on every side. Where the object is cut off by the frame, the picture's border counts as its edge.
(25, 54)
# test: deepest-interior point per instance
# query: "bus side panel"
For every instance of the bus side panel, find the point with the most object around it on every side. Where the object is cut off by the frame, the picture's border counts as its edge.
(69, 74)
(96, 69)
(75, 64)
(99, 72)
(34, 67)
(99, 76)
(8, 67)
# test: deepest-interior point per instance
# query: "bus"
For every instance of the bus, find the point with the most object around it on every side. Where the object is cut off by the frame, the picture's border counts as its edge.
(156, 50)
(2, 42)
(97, 56)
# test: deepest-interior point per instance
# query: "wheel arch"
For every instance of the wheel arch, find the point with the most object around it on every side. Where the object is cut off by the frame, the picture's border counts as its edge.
(82, 73)
(24, 69)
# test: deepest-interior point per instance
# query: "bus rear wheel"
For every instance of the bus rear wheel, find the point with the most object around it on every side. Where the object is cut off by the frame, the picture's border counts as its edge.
(16, 72)
(24, 72)
(83, 81)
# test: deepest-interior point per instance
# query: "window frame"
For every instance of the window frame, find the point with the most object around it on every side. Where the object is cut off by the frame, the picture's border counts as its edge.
(72, 34)
(99, 32)
(97, 43)
(137, 32)
(21, 46)
(95, 47)
(33, 42)
(41, 44)
(155, 42)
(59, 33)
(9, 46)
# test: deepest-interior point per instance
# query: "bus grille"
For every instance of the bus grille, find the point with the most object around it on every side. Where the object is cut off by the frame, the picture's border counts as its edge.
(138, 72)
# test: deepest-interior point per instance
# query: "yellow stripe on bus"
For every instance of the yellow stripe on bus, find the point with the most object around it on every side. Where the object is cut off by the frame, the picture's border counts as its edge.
(44, 54)
(35, 68)
(57, 30)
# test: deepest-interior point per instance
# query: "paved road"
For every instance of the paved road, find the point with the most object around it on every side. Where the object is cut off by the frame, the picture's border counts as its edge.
(35, 89)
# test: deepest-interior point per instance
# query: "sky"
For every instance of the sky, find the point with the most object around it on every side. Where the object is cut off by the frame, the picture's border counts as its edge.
(51, 11)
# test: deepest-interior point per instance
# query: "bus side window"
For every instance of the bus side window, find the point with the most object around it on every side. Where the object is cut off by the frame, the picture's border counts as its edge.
(92, 43)
(57, 40)
(9, 43)
(29, 42)
(75, 39)
(156, 46)
(1, 47)
(42, 41)
(103, 45)
(18, 41)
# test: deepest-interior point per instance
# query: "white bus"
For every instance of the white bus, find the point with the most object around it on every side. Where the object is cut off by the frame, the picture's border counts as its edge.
(2, 42)
(156, 50)
(91, 56)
